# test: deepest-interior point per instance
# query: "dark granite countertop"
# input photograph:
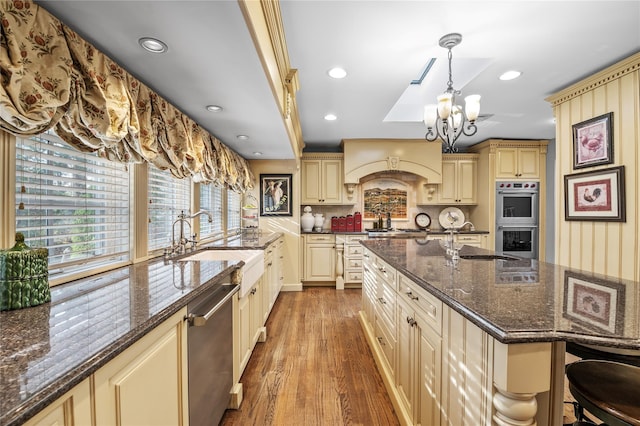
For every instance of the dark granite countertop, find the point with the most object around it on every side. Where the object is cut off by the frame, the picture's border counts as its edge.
(48, 349)
(522, 301)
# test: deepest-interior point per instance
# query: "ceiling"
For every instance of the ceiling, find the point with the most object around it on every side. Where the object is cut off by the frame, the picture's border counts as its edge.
(383, 45)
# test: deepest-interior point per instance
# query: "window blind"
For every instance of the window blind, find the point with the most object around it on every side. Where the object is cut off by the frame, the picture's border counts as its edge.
(233, 212)
(168, 196)
(211, 200)
(73, 203)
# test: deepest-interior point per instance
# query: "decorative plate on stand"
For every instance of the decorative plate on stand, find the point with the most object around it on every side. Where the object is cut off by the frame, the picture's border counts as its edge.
(451, 217)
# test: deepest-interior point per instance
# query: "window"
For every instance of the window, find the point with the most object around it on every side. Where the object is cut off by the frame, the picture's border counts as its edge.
(73, 203)
(211, 200)
(233, 212)
(168, 197)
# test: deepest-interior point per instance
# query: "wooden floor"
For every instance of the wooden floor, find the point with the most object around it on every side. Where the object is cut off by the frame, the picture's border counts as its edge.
(315, 367)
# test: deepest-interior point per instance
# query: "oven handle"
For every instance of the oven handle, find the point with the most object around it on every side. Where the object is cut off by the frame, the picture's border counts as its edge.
(517, 226)
(518, 192)
(200, 320)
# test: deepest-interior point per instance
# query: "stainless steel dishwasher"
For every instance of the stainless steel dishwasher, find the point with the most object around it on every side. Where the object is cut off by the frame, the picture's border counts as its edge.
(210, 353)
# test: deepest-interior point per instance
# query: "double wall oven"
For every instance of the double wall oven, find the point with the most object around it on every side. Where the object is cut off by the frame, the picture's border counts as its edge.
(517, 212)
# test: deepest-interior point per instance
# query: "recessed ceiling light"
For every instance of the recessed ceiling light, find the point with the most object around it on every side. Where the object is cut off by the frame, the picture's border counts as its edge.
(510, 75)
(214, 108)
(242, 137)
(330, 117)
(153, 45)
(258, 153)
(337, 72)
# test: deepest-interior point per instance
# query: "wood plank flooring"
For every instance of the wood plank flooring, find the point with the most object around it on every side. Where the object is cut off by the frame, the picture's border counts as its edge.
(315, 367)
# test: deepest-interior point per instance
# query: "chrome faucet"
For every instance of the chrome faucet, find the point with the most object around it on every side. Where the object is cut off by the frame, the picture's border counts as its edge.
(452, 250)
(180, 246)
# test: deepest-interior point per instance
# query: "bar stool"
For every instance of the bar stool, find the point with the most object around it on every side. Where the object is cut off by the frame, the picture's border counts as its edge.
(609, 390)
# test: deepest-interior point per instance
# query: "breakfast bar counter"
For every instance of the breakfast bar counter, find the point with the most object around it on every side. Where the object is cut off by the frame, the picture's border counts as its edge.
(479, 338)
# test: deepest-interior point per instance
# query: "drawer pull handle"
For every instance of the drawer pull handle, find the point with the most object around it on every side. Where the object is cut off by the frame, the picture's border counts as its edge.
(381, 341)
(411, 296)
(253, 290)
(381, 300)
(411, 321)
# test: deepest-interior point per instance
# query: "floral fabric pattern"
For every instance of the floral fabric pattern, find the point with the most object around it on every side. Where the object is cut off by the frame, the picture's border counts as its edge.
(50, 77)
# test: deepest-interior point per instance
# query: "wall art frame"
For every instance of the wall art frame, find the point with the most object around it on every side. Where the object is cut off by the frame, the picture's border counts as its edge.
(597, 195)
(593, 142)
(275, 195)
(593, 303)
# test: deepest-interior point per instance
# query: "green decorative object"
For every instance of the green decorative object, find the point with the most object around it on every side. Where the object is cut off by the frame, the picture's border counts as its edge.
(24, 276)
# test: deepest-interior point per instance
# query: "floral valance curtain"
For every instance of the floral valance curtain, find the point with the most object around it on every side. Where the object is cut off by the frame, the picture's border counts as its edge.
(52, 78)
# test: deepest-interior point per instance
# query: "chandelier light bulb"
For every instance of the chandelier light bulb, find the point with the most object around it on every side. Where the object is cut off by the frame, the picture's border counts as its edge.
(430, 115)
(472, 107)
(444, 105)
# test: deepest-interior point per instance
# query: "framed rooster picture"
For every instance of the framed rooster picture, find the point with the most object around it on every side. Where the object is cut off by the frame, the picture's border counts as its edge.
(593, 142)
(596, 196)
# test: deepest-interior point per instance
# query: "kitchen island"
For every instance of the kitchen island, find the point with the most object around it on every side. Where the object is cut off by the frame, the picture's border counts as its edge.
(481, 341)
(47, 350)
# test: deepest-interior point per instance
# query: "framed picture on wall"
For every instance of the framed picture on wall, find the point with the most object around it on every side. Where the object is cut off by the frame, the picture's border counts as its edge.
(595, 196)
(593, 142)
(592, 303)
(275, 199)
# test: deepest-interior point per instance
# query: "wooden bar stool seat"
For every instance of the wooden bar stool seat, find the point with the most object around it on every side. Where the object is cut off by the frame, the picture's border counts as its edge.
(608, 390)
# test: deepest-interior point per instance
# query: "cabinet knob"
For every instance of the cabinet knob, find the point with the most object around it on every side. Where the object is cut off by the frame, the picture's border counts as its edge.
(381, 341)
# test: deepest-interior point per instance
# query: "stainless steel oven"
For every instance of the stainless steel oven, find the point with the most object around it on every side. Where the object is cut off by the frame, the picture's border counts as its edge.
(517, 203)
(517, 240)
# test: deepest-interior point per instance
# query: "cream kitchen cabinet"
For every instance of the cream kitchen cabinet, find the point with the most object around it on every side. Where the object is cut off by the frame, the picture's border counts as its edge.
(319, 257)
(458, 185)
(352, 257)
(518, 163)
(147, 383)
(73, 408)
(322, 181)
(419, 349)
(250, 322)
(459, 182)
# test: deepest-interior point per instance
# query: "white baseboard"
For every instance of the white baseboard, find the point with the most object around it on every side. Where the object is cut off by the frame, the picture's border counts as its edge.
(291, 287)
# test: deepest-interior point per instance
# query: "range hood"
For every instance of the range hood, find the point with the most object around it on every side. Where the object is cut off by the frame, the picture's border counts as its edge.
(363, 157)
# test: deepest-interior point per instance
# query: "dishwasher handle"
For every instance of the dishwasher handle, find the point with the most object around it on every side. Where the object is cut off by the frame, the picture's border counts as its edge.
(200, 320)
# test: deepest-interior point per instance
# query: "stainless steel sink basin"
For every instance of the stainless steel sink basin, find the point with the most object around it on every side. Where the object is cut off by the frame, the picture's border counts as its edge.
(488, 257)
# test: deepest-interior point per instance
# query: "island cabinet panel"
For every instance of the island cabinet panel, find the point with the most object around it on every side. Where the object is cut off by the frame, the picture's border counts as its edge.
(73, 408)
(147, 383)
(448, 371)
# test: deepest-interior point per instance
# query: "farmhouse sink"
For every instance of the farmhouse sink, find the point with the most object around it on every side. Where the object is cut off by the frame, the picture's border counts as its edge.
(251, 271)
(488, 257)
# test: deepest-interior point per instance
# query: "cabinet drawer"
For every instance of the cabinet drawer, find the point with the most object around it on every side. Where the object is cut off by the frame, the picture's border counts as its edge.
(387, 343)
(428, 305)
(353, 276)
(386, 305)
(354, 239)
(475, 238)
(385, 272)
(354, 263)
(355, 251)
(322, 238)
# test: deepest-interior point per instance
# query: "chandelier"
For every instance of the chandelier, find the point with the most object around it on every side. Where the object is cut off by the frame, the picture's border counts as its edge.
(447, 120)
